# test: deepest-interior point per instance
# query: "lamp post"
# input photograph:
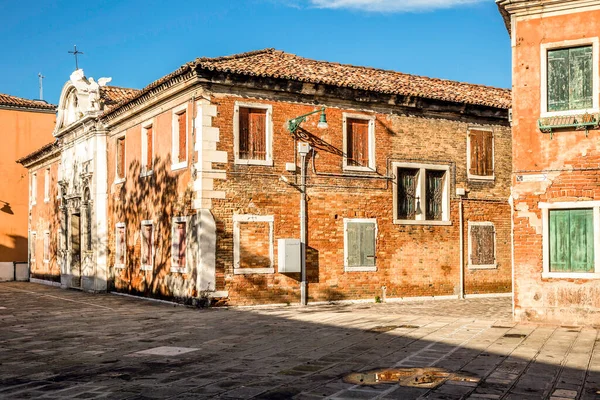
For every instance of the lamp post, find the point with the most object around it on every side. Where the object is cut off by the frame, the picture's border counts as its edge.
(303, 149)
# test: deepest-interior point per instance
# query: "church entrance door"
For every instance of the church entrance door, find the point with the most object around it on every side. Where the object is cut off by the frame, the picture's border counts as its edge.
(76, 250)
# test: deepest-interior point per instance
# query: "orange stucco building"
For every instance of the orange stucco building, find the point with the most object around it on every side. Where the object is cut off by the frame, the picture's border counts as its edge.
(25, 125)
(556, 159)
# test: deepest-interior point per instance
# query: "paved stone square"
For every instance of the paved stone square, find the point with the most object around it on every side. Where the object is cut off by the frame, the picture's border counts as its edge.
(57, 344)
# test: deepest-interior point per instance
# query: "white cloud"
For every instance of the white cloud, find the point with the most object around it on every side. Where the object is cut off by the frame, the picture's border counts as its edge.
(391, 5)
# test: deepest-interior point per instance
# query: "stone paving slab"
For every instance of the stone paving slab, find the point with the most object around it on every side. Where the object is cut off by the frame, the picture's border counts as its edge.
(58, 344)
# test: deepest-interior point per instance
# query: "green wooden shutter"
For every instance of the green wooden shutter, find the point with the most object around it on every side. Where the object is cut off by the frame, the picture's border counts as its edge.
(353, 246)
(571, 240)
(580, 78)
(367, 244)
(558, 80)
(559, 240)
(582, 240)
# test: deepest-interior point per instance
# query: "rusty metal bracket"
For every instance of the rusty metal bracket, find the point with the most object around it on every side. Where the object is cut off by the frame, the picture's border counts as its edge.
(578, 122)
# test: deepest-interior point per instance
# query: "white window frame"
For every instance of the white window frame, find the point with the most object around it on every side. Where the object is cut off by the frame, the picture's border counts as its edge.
(117, 178)
(371, 118)
(565, 44)
(242, 218)
(46, 237)
(175, 137)
(117, 227)
(145, 171)
(481, 177)
(47, 185)
(546, 207)
(362, 268)
(147, 267)
(32, 245)
(470, 246)
(34, 189)
(268, 161)
(176, 267)
(421, 189)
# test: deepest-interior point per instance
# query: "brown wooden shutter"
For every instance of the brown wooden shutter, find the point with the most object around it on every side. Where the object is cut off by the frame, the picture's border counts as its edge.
(357, 141)
(258, 134)
(244, 132)
(181, 228)
(488, 154)
(121, 157)
(182, 122)
(482, 154)
(149, 148)
(482, 245)
(147, 245)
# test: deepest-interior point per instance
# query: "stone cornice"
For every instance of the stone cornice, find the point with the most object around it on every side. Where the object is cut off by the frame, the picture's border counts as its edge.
(528, 8)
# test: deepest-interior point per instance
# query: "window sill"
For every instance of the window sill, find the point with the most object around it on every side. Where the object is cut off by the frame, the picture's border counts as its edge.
(34, 203)
(178, 270)
(481, 178)
(47, 200)
(349, 168)
(46, 261)
(360, 269)
(119, 266)
(118, 181)
(415, 222)
(476, 267)
(249, 271)
(146, 173)
(570, 275)
(266, 163)
(547, 114)
(179, 166)
(146, 268)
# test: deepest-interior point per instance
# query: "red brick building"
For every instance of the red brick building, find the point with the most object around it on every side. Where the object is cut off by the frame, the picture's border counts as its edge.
(555, 159)
(203, 179)
(25, 125)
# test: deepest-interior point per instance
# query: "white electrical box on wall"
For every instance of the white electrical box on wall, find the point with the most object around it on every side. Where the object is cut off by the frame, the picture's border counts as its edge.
(288, 256)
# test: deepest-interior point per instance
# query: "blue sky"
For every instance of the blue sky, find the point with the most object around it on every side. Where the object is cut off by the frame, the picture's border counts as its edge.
(136, 42)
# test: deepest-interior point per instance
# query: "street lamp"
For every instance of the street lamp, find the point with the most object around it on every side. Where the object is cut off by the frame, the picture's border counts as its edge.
(303, 149)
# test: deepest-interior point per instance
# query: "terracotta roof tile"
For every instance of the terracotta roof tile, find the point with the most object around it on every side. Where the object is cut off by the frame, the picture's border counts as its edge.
(18, 102)
(113, 95)
(278, 64)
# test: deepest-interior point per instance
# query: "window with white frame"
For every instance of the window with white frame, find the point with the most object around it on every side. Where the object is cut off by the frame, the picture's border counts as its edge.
(569, 78)
(253, 244)
(253, 132)
(360, 242)
(421, 194)
(480, 154)
(179, 240)
(120, 245)
(570, 237)
(47, 185)
(34, 188)
(180, 135)
(32, 245)
(120, 159)
(147, 148)
(147, 248)
(482, 245)
(359, 142)
(46, 247)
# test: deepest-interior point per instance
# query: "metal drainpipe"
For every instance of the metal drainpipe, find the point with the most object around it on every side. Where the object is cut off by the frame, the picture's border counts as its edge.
(462, 250)
(303, 229)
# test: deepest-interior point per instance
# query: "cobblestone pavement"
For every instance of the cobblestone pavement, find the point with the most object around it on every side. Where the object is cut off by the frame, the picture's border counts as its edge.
(67, 344)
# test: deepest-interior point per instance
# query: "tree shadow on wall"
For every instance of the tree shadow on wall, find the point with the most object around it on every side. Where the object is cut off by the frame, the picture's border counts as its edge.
(156, 197)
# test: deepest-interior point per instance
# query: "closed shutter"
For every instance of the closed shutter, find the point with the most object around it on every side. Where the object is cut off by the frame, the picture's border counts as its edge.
(244, 133)
(182, 123)
(571, 240)
(257, 134)
(181, 231)
(367, 244)
(474, 141)
(488, 154)
(481, 162)
(120, 256)
(558, 80)
(357, 142)
(580, 78)
(121, 157)
(352, 242)
(149, 148)
(146, 244)
(483, 250)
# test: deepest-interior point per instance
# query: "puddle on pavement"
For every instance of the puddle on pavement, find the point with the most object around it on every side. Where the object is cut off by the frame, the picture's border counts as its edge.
(428, 378)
